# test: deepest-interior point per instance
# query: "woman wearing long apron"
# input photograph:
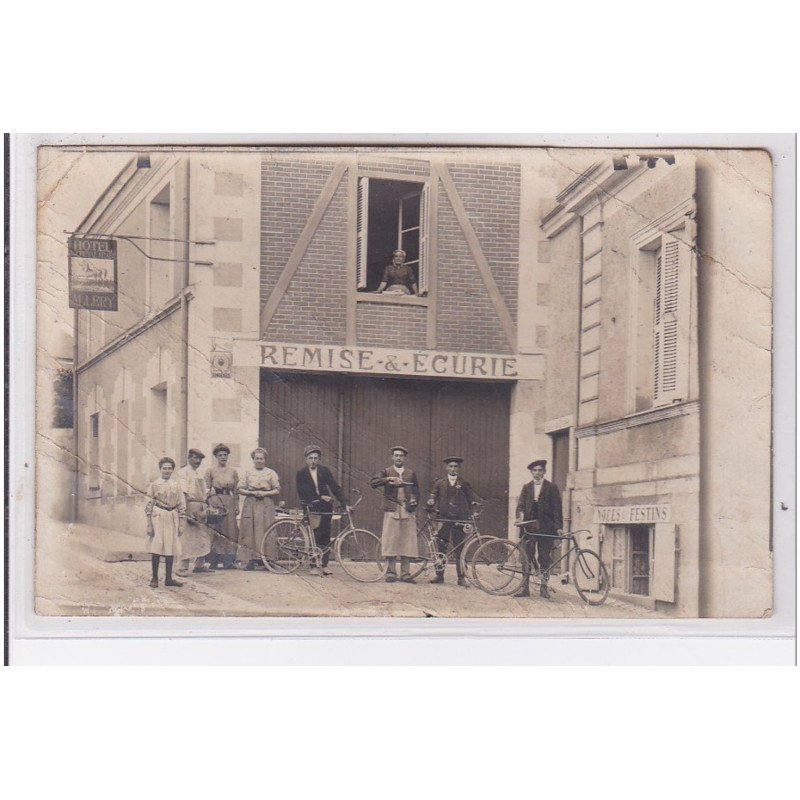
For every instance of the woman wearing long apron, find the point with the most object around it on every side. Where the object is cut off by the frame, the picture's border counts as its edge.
(165, 510)
(223, 487)
(258, 486)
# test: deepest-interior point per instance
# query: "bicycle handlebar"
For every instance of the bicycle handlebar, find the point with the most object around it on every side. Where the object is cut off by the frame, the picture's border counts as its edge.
(569, 535)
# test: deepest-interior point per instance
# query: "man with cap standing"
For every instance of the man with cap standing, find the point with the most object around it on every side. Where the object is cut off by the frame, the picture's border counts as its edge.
(196, 541)
(317, 487)
(540, 504)
(400, 501)
(452, 498)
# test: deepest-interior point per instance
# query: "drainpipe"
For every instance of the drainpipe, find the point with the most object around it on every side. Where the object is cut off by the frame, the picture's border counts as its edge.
(76, 482)
(184, 379)
(574, 443)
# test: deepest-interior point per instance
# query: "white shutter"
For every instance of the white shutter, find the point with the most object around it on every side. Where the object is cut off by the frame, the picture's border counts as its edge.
(671, 322)
(424, 240)
(362, 227)
(663, 567)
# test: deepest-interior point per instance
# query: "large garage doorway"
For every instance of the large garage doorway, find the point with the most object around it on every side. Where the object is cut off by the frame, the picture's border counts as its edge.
(356, 420)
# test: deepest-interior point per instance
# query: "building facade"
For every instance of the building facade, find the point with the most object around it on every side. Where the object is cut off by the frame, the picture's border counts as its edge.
(554, 316)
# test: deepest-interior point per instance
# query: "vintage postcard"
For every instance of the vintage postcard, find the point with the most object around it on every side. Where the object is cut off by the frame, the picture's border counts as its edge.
(404, 382)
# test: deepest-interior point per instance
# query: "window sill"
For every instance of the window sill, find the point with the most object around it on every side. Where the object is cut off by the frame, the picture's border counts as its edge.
(392, 299)
(639, 418)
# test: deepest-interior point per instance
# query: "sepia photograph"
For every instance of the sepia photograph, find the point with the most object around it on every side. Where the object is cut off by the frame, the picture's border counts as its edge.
(404, 382)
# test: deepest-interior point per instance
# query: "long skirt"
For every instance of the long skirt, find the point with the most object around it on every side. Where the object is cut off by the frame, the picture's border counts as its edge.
(165, 541)
(258, 513)
(227, 532)
(399, 536)
(196, 539)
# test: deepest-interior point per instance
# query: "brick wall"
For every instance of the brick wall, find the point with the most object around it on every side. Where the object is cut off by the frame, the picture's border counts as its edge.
(466, 319)
(313, 308)
(289, 190)
(490, 194)
(410, 167)
(379, 325)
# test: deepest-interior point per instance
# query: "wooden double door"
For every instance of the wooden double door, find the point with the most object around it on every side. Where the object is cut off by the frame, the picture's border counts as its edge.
(356, 420)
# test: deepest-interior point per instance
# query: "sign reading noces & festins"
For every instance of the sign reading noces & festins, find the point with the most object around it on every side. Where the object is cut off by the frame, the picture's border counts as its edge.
(631, 515)
(92, 273)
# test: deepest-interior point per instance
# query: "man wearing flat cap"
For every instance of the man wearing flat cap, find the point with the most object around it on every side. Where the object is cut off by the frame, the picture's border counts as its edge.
(400, 501)
(196, 541)
(316, 488)
(452, 498)
(539, 503)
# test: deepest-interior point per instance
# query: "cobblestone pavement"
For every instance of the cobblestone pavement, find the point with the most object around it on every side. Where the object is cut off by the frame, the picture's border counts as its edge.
(72, 578)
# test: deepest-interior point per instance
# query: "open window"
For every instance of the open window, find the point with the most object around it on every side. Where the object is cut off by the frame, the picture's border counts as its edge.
(392, 215)
(643, 560)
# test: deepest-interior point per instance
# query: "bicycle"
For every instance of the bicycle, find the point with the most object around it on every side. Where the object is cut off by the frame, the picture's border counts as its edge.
(428, 544)
(289, 544)
(499, 567)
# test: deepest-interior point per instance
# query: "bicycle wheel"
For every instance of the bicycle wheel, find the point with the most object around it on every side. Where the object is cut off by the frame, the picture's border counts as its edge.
(284, 546)
(498, 567)
(590, 577)
(426, 555)
(359, 553)
(468, 550)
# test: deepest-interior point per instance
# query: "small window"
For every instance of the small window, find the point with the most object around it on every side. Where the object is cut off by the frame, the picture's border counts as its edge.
(62, 406)
(94, 453)
(631, 559)
(162, 275)
(392, 215)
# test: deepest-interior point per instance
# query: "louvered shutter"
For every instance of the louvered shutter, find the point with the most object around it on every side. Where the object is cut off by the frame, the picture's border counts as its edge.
(362, 225)
(671, 322)
(663, 565)
(424, 241)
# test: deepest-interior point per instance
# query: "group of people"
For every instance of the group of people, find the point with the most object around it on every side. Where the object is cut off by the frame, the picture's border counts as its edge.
(194, 518)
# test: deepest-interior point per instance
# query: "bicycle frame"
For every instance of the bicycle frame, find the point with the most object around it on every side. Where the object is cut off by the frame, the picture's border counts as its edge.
(429, 529)
(569, 537)
(304, 521)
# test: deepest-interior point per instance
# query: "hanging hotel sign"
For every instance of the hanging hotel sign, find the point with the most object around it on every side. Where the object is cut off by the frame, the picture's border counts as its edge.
(385, 361)
(631, 515)
(92, 273)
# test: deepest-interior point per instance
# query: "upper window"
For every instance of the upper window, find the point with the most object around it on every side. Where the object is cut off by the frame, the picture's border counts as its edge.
(392, 217)
(662, 324)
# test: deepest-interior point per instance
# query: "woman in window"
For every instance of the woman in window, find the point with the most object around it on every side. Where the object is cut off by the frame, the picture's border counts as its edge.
(223, 486)
(398, 277)
(165, 510)
(258, 486)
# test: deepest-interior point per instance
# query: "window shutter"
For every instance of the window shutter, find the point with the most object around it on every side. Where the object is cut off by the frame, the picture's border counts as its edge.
(671, 322)
(361, 240)
(663, 567)
(424, 246)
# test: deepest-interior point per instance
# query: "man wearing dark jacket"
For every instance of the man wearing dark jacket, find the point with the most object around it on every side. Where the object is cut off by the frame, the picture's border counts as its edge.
(452, 498)
(317, 487)
(539, 503)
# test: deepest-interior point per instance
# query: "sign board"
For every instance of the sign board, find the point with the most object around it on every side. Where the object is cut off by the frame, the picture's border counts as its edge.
(92, 273)
(385, 361)
(631, 515)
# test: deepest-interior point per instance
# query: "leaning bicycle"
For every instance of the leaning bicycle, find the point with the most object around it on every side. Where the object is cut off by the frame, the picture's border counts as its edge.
(499, 567)
(430, 554)
(289, 545)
